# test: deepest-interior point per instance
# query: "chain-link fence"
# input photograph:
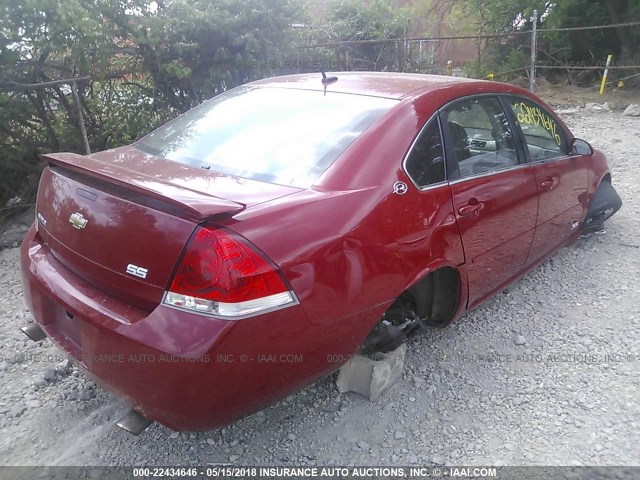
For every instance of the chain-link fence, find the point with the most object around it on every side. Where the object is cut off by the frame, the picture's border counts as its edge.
(573, 55)
(50, 116)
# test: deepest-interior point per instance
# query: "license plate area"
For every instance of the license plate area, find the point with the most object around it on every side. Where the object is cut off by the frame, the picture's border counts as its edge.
(68, 325)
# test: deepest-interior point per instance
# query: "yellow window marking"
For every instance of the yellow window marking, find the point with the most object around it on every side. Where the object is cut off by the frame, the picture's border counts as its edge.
(532, 115)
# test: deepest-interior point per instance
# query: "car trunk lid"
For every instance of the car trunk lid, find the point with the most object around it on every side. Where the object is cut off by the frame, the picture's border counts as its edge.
(122, 230)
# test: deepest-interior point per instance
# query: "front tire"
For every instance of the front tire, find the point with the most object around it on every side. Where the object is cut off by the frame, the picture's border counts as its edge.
(604, 204)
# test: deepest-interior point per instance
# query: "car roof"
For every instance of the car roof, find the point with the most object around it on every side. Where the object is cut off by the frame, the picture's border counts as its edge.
(376, 84)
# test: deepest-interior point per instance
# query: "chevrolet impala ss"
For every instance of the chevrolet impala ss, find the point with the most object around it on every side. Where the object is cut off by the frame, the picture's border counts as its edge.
(253, 244)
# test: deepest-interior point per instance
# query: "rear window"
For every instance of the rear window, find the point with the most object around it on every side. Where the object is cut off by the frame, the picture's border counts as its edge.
(275, 135)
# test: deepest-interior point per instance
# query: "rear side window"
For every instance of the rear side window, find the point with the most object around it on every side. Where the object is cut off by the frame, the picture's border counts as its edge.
(480, 135)
(425, 164)
(544, 137)
(276, 135)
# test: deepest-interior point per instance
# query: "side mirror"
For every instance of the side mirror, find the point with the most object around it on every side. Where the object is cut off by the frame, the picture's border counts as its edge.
(580, 147)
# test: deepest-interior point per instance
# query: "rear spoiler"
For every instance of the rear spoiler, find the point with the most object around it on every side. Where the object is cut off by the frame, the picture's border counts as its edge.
(188, 203)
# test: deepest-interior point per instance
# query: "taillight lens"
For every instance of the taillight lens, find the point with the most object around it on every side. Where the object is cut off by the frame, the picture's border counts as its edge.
(221, 275)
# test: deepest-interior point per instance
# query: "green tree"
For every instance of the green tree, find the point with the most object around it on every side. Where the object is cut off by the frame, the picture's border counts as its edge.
(137, 63)
(357, 20)
(594, 45)
(194, 49)
(586, 47)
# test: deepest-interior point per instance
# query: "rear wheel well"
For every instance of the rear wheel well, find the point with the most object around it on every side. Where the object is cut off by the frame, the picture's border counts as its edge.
(437, 296)
(606, 178)
(431, 301)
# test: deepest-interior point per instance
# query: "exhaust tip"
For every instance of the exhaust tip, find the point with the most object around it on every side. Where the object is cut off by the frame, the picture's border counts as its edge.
(134, 422)
(34, 332)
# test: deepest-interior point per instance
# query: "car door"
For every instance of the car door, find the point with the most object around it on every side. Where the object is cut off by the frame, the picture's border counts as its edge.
(436, 233)
(494, 193)
(562, 179)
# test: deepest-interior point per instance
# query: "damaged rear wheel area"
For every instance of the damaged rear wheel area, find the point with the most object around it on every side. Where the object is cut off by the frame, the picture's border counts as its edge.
(430, 302)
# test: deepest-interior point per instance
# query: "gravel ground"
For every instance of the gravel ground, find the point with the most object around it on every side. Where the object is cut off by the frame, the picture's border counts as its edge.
(544, 374)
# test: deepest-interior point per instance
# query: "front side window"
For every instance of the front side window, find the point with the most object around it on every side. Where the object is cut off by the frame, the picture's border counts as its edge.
(277, 135)
(425, 164)
(543, 136)
(482, 140)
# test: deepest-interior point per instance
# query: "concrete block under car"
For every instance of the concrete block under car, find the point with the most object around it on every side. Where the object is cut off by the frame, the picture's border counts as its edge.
(372, 377)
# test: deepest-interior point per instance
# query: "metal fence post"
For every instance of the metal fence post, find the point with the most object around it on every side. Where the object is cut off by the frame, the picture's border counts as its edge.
(83, 129)
(606, 74)
(534, 48)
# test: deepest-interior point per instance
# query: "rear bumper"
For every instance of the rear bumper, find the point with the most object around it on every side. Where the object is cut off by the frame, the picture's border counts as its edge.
(183, 370)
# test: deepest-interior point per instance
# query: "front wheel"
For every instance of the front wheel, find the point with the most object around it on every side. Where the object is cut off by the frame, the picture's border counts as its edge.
(605, 203)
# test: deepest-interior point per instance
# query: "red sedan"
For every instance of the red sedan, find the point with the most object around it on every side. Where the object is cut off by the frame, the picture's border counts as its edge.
(256, 242)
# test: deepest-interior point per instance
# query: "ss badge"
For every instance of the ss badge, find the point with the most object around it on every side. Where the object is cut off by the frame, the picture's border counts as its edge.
(137, 271)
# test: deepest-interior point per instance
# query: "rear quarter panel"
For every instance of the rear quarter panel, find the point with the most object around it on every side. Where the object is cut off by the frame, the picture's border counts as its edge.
(351, 244)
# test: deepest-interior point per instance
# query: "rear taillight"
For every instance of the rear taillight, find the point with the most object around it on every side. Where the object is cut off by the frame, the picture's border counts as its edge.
(220, 275)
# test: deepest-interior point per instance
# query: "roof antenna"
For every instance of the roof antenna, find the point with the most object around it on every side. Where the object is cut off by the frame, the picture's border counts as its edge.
(327, 81)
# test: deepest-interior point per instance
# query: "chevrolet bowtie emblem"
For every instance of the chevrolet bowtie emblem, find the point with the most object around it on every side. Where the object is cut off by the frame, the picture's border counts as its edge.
(78, 221)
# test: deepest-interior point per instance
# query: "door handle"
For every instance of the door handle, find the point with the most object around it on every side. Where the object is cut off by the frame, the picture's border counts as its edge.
(471, 210)
(549, 184)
